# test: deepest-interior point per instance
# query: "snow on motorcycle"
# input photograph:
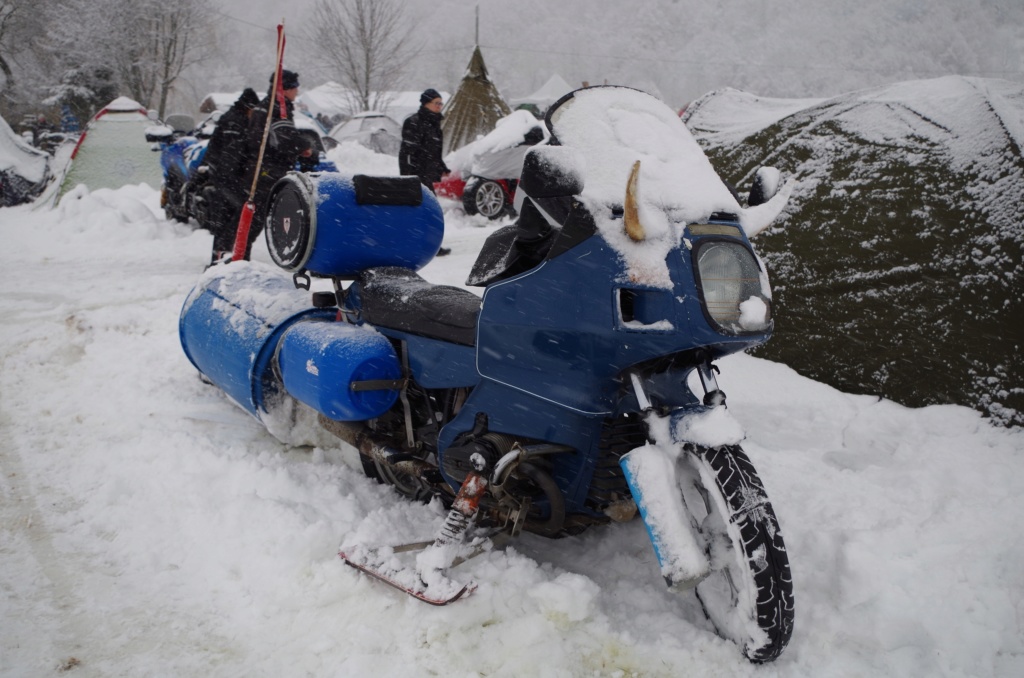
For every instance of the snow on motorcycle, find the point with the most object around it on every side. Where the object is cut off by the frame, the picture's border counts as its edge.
(558, 402)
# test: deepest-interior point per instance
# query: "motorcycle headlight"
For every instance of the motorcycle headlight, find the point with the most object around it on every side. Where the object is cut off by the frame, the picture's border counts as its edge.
(730, 280)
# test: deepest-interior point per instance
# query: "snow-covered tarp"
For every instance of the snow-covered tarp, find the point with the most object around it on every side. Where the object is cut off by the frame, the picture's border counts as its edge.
(24, 170)
(18, 156)
(499, 154)
(899, 262)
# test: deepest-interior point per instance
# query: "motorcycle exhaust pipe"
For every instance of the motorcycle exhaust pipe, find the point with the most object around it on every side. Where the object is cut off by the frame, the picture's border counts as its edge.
(552, 527)
(374, 446)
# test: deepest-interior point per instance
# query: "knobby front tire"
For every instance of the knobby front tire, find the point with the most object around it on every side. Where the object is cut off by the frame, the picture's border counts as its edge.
(749, 594)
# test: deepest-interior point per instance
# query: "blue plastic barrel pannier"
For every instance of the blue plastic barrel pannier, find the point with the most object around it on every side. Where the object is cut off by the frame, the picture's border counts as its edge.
(231, 322)
(331, 225)
(345, 372)
(242, 318)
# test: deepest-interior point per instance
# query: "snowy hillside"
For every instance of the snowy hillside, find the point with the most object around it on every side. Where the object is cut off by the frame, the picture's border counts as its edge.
(150, 527)
(898, 265)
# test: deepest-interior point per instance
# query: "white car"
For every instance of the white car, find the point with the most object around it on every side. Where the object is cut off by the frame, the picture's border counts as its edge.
(372, 129)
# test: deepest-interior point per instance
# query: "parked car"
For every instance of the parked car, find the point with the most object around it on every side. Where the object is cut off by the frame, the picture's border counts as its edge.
(486, 172)
(371, 129)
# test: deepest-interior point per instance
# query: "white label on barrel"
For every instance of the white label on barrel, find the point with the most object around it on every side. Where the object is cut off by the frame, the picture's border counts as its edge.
(287, 224)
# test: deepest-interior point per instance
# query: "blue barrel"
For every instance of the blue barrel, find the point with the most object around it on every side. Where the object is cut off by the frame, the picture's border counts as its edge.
(331, 225)
(343, 371)
(231, 322)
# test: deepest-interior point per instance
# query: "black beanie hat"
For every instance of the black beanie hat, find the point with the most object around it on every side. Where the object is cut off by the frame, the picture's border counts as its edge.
(429, 95)
(289, 79)
(249, 98)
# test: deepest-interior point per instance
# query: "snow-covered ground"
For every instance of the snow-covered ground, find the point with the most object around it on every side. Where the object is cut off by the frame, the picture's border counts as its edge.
(150, 527)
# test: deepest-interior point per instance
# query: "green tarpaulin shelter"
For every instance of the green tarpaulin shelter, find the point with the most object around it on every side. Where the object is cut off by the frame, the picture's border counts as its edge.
(899, 263)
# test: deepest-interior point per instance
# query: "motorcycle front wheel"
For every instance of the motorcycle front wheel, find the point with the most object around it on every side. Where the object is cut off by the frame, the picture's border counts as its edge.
(174, 208)
(749, 594)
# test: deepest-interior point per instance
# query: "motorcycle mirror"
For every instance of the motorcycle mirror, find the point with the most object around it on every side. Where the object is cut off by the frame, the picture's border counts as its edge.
(552, 172)
(765, 185)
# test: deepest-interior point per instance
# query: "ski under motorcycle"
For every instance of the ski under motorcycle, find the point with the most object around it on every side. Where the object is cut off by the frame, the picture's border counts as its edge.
(558, 401)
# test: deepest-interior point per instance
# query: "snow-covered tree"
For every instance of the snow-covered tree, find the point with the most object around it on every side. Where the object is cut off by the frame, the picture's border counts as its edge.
(364, 44)
(145, 43)
(171, 35)
(22, 62)
(84, 90)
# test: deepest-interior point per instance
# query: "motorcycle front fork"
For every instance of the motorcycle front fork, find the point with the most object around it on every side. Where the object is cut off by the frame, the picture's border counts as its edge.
(650, 472)
(713, 395)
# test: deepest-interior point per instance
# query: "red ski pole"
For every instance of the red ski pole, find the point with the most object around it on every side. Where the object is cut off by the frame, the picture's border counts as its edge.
(249, 209)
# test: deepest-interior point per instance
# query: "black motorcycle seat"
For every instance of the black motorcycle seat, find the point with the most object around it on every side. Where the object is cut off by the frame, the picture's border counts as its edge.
(398, 298)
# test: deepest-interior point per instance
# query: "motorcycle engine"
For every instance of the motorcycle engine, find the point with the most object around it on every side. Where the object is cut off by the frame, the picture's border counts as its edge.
(475, 453)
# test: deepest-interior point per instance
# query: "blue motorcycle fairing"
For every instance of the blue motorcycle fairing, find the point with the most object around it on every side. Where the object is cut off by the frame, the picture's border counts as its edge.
(535, 336)
(183, 156)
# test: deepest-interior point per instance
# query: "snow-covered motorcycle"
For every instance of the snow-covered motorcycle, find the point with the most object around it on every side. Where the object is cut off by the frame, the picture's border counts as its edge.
(559, 401)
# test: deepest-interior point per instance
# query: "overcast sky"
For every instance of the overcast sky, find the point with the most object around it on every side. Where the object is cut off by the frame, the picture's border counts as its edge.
(677, 49)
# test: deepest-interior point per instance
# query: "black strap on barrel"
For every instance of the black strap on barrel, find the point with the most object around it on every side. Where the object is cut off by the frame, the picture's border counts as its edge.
(377, 385)
(387, 190)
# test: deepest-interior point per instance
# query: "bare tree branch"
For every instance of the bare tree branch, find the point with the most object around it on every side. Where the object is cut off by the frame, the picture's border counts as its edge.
(367, 44)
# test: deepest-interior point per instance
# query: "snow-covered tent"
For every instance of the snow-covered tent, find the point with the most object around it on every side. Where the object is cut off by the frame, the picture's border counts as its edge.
(24, 170)
(475, 109)
(554, 89)
(113, 151)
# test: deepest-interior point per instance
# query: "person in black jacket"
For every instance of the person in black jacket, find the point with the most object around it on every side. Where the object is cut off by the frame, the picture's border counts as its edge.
(422, 144)
(285, 145)
(225, 171)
